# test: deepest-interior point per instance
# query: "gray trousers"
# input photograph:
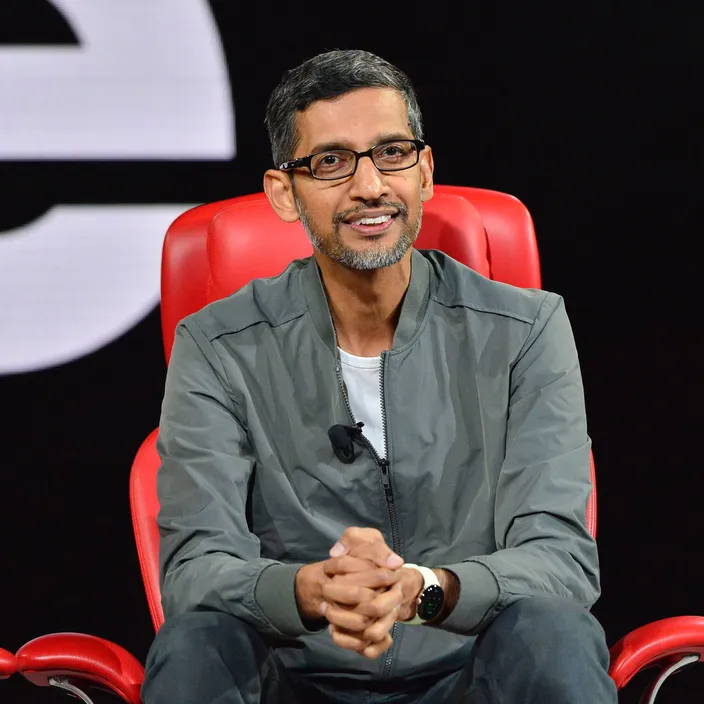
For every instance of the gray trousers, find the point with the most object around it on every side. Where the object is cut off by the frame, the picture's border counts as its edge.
(542, 650)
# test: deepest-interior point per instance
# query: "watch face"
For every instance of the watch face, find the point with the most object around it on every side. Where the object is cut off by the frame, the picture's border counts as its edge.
(431, 602)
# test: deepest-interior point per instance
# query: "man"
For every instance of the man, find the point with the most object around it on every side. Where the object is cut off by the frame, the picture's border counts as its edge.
(375, 467)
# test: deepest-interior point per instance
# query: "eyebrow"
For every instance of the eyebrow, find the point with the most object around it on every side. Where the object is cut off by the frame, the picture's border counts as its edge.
(341, 144)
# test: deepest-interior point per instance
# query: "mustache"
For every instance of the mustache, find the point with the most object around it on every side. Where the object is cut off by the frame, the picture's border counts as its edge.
(343, 215)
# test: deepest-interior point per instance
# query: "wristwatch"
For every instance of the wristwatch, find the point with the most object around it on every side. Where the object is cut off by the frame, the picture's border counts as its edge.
(431, 598)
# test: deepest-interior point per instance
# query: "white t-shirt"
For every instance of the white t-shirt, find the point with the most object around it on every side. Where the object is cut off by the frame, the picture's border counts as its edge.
(362, 378)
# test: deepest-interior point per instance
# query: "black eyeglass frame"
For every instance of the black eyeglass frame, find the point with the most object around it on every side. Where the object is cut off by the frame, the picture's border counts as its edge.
(305, 162)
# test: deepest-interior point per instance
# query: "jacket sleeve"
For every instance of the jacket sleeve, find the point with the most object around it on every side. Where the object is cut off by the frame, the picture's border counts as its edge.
(209, 558)
(543, 544)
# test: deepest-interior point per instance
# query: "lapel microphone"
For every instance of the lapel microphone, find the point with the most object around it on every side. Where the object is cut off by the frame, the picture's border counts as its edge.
(342, 439)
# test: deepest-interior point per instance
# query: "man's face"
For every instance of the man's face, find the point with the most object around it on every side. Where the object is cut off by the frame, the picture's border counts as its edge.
(336, 213)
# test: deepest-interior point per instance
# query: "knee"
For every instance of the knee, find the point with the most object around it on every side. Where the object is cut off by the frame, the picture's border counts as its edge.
(547, 648)
(194, 635)
(551, 626)
(196, 657)
(552, 611)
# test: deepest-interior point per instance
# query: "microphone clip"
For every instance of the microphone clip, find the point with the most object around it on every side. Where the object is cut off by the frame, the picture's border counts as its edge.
(342, 439)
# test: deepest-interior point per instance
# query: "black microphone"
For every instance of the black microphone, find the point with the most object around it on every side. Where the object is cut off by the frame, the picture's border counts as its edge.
(342, 439)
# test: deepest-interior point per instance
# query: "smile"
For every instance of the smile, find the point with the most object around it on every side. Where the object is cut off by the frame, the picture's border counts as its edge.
(372, 225)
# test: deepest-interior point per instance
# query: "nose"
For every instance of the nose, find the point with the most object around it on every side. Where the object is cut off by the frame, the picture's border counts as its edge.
(368, 183)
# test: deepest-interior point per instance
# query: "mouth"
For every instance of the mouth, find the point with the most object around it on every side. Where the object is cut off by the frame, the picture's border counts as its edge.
(371, 223)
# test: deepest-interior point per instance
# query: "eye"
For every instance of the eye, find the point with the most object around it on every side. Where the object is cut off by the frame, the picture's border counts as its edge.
(332, 163)
(395, 155)
(390, 151)
(329, 160)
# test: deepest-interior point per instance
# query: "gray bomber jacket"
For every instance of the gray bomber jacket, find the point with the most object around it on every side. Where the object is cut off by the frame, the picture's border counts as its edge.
(486, 473)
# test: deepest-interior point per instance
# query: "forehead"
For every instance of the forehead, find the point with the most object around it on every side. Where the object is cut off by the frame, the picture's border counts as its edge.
(354, 119)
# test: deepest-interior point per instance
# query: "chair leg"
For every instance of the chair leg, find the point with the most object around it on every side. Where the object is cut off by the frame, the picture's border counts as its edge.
(63, 683)
(652, 691)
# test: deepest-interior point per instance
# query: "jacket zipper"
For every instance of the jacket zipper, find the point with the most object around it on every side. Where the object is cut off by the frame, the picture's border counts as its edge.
(384, 466)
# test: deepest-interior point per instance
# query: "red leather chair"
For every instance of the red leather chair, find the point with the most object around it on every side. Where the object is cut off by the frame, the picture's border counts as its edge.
(211, 251)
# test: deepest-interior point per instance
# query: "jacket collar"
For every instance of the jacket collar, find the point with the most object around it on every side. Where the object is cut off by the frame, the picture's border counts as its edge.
(413, 307)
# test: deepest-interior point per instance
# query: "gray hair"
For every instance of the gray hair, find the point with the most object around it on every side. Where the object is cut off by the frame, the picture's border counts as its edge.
(329, 76)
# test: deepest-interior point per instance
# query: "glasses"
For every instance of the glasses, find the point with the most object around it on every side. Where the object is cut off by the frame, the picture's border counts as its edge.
(330, 165)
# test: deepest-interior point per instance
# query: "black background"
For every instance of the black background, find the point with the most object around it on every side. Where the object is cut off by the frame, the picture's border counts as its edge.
(589, 112)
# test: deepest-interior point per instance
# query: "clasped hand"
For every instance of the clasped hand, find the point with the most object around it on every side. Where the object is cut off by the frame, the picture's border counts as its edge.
(365, 591)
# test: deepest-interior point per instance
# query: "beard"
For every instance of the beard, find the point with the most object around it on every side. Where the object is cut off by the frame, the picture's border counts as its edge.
(378, 255)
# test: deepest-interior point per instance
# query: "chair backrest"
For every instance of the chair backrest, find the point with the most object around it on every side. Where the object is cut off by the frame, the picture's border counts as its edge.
(212, 250)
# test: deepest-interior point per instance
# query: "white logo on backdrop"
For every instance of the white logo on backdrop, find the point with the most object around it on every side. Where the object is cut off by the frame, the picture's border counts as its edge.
(149, 81)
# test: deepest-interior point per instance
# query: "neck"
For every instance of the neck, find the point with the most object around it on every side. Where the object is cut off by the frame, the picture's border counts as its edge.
(365, 305)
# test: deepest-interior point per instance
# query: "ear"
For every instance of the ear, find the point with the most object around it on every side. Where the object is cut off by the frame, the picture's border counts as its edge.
(426, 174)
(279, 190)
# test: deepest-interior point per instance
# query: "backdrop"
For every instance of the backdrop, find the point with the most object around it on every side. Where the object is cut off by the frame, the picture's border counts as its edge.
(115, 117)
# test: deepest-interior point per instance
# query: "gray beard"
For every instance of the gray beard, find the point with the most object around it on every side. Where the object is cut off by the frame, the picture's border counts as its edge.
(373, 258)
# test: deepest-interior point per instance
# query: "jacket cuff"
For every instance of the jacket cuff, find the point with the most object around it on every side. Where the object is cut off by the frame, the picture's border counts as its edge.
(479, 592)
(275, 594)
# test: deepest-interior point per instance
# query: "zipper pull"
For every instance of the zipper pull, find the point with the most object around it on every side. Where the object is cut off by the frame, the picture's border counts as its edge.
(386, 482)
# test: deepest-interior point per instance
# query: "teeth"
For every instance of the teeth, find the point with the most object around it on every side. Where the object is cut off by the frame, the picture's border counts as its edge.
(374, 221)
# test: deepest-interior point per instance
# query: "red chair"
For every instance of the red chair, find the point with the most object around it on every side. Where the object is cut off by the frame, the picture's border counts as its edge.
(8, 664)
(213, 250)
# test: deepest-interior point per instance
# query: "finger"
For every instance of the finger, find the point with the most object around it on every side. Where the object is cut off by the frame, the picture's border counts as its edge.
(361, 587)
(351, 641)
(345, 565)
(381, 604)
(378, 553)
(379, 629)
(354, 536)
(347, 640)
(347, 619)
(374, 577)
(346, 594)
(374, 650)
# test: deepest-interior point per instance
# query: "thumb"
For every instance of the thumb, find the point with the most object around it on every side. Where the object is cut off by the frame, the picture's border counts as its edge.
(337, 550)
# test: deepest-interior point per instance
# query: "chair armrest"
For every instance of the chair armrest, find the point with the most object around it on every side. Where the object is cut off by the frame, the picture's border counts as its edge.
(660, 642)
(79, 658)
(8, 664)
